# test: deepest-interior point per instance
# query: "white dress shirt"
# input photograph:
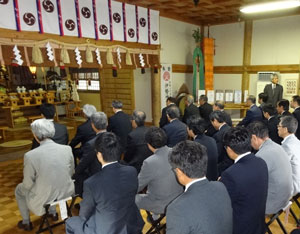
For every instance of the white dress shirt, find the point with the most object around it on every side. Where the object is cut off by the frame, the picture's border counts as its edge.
(241, 156)
(192, 182)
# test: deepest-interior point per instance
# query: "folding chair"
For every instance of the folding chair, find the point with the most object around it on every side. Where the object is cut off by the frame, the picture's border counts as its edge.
(276, 217)
(295, 200)
(45, 217)
(156, 226)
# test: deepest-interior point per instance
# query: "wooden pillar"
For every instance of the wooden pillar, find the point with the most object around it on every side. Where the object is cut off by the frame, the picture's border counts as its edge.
(247, 54)
(155, 96)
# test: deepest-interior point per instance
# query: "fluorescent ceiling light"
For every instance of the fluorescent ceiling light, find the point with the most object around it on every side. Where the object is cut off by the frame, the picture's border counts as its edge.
(270, 6)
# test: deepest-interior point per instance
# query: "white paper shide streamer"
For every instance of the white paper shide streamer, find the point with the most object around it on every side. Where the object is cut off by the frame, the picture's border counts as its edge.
(119, 55)
(18, 56)
(98, 57)
(142, 62)
(78, 56)
(49, 52)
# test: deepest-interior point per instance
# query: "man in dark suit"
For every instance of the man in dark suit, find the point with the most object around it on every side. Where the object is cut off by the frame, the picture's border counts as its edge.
(283, 107)
(253, 114)
(89, 165)
(157, 176)
(272, 121)
(274, 91)
(84, 132)
(61, 133)
(246, 182)
(119, 123)
(295, 103)
(176, 130)
(205, 108)
(217, 119)
(196, 128)
(190, 108)
(262, 100)
(205, 206)
(137, 150)
(108, 204)
(164, 120)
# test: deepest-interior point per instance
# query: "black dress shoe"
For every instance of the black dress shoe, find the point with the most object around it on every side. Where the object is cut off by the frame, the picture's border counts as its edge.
(26, 227)
(77, 206)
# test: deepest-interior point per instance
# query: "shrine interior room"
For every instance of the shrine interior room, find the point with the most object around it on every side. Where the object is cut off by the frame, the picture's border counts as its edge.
(139, 52)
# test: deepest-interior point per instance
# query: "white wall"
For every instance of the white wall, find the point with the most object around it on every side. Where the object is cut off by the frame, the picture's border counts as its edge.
(177, 46)
(142, 92)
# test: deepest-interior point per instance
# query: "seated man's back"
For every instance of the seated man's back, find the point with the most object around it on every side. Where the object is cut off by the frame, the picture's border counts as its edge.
(58, 162)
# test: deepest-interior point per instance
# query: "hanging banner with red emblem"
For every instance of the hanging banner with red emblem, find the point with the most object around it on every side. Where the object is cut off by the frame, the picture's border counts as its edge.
(6, 13)
(103, 19)
(85, 10)
(142, 16)
(154, 27)
(130, 22)
(48, 16)
(68, 19)
(117, 21)
(27, 14)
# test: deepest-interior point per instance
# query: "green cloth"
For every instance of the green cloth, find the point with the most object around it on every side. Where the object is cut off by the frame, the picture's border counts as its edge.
(198, 52)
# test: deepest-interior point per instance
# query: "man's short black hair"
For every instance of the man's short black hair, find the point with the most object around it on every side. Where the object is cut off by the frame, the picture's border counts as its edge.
(258, 129)
(108, 145)
(139, 117)
(173, 112)
(156, 137)
(196, 124)
(190, 157)
(48, 110)
(220, 104)
(238, 139)
(203, 98)
(289, 122)
(217, 115)
(285, 104)
(171, 99)
(296, 98)
(270, 109)
(263, 97)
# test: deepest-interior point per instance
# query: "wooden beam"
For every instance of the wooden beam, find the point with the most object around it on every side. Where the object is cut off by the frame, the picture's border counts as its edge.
(180, 68)
(285, 68)
(12, 34)
(247, 54)
(228, 69)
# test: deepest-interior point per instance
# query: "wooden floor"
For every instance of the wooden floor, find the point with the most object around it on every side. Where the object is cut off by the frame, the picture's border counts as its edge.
(11, 173)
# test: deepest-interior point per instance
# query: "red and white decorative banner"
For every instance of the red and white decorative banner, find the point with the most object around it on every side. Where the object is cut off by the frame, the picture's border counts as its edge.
(142, 25)
(154, 27)
(117, 21)
(6, 13)
(103, 19)
(86, 18)
(166, 83)
(99, 19)
(28, 15)
(48, 16)
(68, 17)
(130, 21)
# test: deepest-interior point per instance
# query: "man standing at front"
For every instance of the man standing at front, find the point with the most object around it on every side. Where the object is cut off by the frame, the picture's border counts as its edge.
(274, 91)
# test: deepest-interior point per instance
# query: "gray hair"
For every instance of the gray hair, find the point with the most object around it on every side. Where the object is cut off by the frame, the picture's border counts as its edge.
(43, 129)
(220, 104)
(139, 117)
(99, 119)
(289, 122)
(117, 104)
(173, 112)
(252, 99)
(190, 99)
(89, 110)
(274, 75)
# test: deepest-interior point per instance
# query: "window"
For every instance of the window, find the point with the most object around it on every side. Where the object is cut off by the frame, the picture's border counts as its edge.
(88, 78)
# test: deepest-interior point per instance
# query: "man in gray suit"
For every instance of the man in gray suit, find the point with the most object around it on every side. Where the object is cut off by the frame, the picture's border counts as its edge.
(204, 207)
(47, 174)
(286, 129)
(279, 168)
(157, 175)
(274, 91)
